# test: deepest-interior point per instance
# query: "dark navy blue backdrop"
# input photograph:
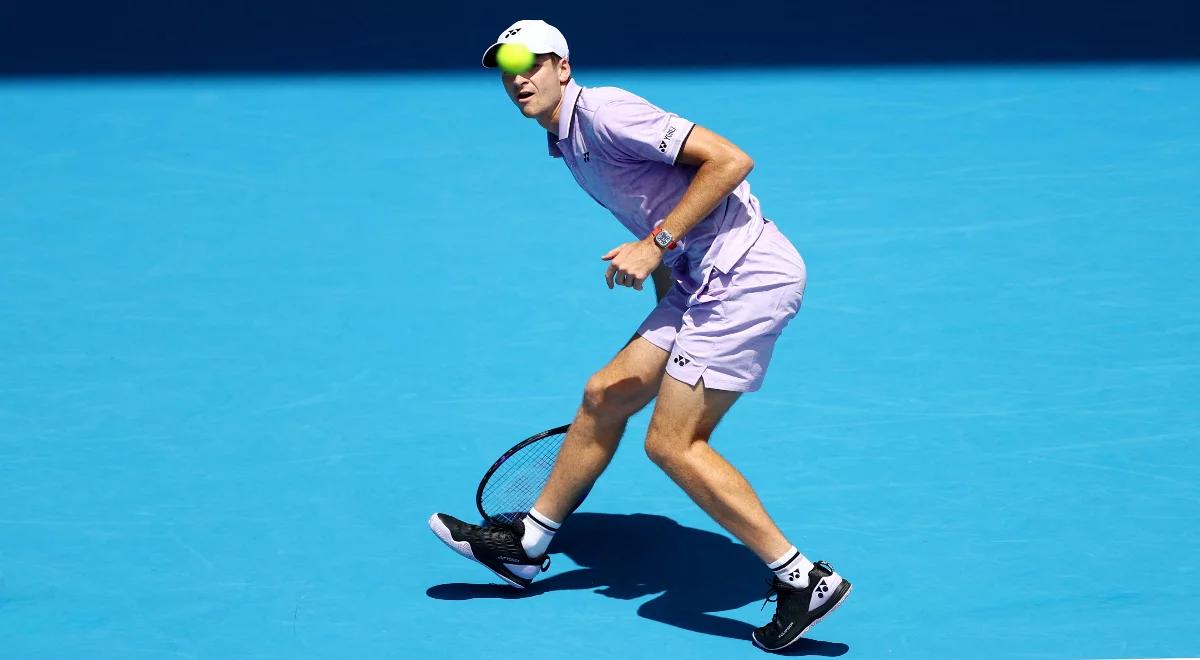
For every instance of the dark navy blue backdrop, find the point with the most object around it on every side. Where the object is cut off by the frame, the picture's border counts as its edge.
(380, 35)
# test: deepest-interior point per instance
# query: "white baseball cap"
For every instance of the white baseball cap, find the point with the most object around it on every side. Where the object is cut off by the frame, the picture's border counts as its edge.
(538, 36)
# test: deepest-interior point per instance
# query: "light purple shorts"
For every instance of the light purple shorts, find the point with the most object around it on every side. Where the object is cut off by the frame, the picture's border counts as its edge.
(725, 331)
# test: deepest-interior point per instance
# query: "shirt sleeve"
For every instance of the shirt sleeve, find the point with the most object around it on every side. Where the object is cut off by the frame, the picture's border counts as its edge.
(634, 130)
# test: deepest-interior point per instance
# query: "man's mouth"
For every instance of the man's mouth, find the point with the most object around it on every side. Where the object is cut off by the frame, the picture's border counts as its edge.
(524, 95)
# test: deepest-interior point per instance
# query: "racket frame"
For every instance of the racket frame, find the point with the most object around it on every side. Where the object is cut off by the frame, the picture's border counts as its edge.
(504, 457)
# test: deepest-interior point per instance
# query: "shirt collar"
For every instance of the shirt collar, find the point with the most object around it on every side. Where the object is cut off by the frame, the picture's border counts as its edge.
(566, 117)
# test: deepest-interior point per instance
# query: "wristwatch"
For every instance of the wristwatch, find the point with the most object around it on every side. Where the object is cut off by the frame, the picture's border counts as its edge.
(664, 239)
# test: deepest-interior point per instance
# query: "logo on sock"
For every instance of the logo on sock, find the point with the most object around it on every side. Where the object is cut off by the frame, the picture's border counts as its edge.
(794, 575)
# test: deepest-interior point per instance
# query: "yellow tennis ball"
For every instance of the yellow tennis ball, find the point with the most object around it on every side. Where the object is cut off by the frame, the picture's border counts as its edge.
(514, 58)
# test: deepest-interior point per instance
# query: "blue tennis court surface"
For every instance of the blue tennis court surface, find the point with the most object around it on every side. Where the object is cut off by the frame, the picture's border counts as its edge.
(255, 330)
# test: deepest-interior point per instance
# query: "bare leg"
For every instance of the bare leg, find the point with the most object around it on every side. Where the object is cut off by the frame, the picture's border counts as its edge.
(677, 442)
(612, 395)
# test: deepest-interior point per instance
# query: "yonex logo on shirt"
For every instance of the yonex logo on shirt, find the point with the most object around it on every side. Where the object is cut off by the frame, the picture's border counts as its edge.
(662, 146)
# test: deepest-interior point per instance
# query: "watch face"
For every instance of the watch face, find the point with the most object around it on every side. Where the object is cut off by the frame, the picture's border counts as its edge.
(663, 238)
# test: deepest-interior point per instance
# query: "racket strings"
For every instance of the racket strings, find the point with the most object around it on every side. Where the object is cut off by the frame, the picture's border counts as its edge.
(517, 482)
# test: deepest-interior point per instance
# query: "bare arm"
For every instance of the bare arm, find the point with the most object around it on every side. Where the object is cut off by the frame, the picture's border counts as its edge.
(721, 167)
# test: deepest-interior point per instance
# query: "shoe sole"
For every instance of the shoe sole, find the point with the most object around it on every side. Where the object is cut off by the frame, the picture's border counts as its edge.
(845, 593)
(463, 548)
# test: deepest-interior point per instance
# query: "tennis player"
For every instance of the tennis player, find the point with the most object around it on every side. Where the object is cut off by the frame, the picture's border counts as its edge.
(727, 282)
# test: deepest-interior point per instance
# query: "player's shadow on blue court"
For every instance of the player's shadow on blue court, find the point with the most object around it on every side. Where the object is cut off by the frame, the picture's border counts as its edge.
(693, 572)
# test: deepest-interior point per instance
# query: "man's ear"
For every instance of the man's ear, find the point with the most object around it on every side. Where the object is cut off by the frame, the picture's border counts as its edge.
(564, 72)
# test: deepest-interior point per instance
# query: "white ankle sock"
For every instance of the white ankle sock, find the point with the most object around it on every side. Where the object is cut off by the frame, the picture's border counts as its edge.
(539, 530)
(792, 568)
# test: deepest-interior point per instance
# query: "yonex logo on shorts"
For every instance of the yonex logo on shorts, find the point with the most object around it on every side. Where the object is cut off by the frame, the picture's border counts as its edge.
(681, 361)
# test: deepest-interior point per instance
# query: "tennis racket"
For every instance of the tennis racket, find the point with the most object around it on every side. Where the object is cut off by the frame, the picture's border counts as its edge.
(515, 480)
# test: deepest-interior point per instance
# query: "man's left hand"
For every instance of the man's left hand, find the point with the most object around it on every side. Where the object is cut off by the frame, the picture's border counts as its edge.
(631, 263)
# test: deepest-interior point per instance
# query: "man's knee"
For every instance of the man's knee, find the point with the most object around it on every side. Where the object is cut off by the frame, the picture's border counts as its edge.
(669, 440)
(665, 448)
(617, 396)
(659, 451)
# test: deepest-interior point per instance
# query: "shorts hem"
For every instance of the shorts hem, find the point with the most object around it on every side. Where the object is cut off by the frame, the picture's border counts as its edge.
(728, 384)
(718, 383)
(659, 344)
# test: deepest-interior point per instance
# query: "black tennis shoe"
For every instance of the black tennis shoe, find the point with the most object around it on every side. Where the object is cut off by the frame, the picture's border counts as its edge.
(496, 547)
(797, 610)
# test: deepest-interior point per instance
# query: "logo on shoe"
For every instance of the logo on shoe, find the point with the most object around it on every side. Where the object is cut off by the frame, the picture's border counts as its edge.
(822, 588)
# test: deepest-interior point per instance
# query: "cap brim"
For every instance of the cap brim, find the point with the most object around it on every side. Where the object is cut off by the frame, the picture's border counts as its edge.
(489, 56)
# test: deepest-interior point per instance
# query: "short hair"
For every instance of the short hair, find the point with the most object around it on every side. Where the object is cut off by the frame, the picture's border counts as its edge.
(556, 60)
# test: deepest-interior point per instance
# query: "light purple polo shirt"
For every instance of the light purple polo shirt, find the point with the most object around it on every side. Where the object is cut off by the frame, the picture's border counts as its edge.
(622, 151)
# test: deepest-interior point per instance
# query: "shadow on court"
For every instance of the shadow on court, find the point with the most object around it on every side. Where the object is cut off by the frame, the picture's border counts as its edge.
(693, 572)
